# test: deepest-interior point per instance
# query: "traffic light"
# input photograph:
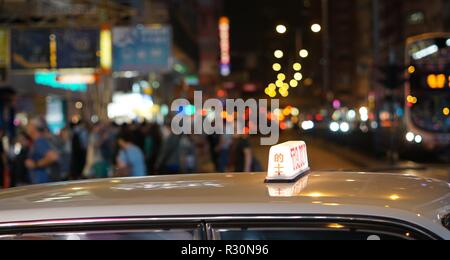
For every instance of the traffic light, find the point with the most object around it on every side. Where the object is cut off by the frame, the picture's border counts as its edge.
(393, 76)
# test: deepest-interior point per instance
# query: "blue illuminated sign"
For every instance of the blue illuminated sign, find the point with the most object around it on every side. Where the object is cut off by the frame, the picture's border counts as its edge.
(142, 48)
(50, 79)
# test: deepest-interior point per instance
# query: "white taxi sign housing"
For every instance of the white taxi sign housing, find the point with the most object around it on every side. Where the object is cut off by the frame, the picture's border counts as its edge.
(287, 162)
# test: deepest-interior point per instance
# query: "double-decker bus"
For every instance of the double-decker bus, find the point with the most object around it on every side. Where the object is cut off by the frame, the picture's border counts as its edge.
(427, 109)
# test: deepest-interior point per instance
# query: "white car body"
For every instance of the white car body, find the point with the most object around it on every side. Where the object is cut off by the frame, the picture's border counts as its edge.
(409, 199)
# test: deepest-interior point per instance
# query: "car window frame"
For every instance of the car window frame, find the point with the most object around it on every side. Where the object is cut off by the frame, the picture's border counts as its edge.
(203, 223)
(420, 231)
(60, 227)
(377, 230)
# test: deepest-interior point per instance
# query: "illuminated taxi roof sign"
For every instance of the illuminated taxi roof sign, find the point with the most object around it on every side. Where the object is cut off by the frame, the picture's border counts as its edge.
(287, 162)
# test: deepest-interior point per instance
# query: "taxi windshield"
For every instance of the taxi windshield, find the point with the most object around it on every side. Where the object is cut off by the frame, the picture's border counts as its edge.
(134, 88)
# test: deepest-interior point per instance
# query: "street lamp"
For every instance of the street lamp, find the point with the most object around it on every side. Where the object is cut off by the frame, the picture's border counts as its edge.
(281, 29)
(304, 53)
(284, 93)
(281, 77)
(293, 83)
(279, 83)
(298, 76)
(316, 28)
(276, 67)
(279, 54)
(297, 66)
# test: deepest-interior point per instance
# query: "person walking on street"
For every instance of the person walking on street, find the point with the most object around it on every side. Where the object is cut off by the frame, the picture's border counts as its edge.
(153, 141)
(80, 139)
(130, 161)
(223, 149)
(18, 168)
(65, 152)
(42, 156)
(4, 172)
(169, 159)
(96, 166)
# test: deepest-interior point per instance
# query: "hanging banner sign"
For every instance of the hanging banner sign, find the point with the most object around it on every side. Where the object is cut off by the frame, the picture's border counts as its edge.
(30, 49)
(79, 48)
(142, 48)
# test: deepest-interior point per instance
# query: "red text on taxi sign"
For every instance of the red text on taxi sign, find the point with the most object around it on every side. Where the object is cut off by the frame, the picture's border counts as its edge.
(287, 162)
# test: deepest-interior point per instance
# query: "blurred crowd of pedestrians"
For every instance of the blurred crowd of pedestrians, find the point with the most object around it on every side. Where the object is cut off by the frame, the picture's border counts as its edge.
(103, 150)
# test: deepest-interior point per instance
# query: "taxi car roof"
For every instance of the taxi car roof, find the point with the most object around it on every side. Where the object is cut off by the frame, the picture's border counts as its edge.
(404, 197)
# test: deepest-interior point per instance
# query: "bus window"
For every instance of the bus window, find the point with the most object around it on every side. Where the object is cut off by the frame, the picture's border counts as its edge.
(428, 99)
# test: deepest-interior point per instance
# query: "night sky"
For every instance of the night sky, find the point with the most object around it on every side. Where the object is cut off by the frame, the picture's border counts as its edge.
(252, 20)
(253, 36)
(254, 39)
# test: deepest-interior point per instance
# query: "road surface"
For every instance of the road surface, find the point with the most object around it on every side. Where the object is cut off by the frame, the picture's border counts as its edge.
(321, 156)
(324, 155)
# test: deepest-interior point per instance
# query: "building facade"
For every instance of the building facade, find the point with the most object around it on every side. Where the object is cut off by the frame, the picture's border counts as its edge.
(364, 35)
(342, 41)
(399, 19)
